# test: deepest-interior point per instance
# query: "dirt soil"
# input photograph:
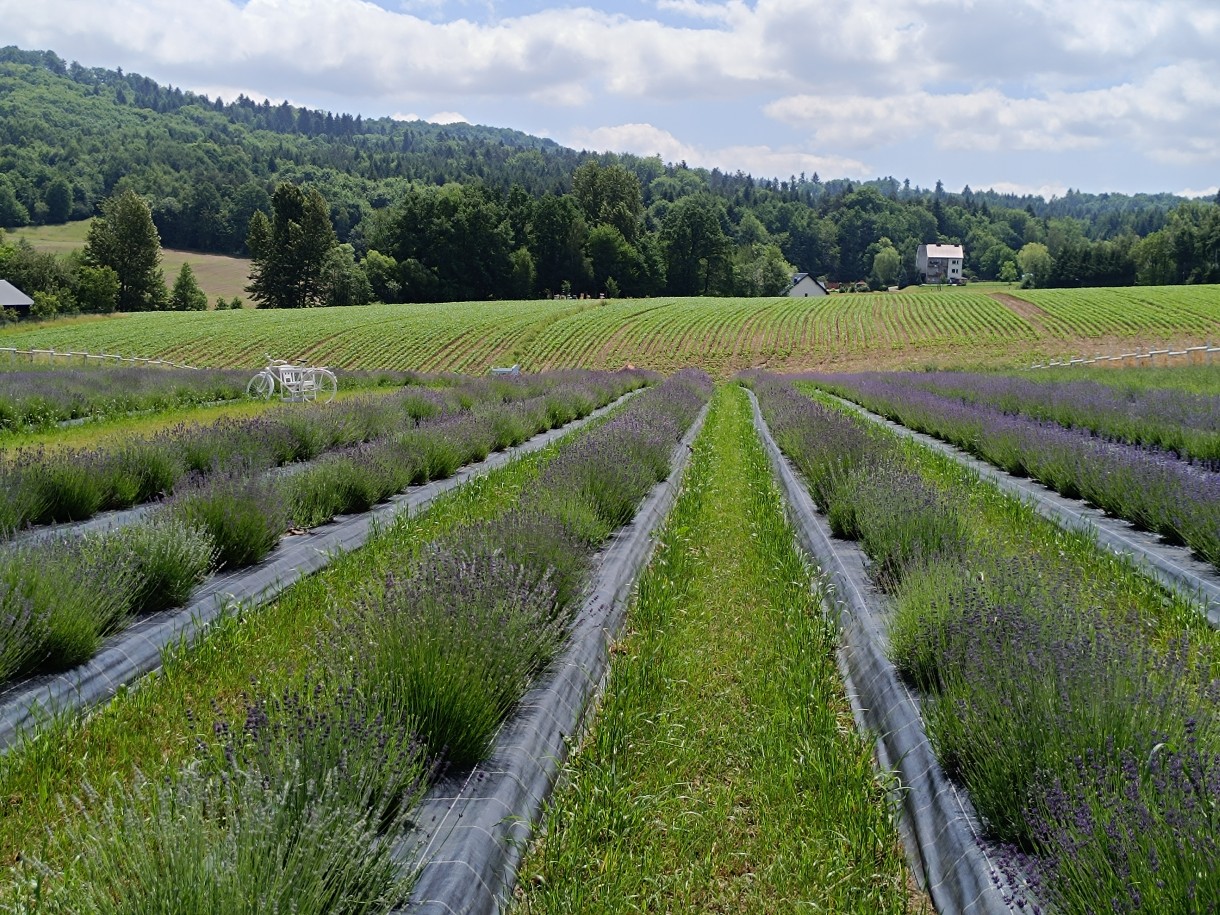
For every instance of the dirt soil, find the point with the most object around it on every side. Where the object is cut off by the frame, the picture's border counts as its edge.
(1027, 310)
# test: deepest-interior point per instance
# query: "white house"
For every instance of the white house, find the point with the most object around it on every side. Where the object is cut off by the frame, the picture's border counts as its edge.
(805, 285)
(940, 263)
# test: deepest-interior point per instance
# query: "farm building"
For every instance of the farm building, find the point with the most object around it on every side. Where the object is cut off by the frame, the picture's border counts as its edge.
(804, 284)
(14, 298)
(940, 263)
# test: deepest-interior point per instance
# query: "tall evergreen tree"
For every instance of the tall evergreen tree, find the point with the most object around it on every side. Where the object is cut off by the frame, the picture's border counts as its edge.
(124, 239)
(290, 249)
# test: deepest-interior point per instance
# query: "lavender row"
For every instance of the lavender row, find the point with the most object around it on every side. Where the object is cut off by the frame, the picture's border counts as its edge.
(37, 399)
(41, 487)
(1091, 751)
(1152, 490)
(58, 600)
(1181, 422)
(323, 778)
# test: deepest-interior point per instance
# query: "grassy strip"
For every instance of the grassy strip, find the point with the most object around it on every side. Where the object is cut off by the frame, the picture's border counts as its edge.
(155, 728)
(723, 772)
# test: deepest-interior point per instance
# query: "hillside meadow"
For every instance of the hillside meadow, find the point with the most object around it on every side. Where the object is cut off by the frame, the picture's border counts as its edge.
(913, 328)
(217, 274)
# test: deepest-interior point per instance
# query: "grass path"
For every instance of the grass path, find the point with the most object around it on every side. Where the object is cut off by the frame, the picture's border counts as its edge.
(723, 772)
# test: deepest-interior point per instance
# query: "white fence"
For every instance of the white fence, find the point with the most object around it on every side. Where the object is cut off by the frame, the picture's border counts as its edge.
(36, 355)
(1190, 354)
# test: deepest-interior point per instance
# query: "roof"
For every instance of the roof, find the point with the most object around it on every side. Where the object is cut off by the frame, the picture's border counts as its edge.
(12, 297)
(945, 251)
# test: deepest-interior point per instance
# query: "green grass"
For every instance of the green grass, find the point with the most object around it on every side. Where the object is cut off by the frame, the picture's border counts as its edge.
(907, 329)
(722, 773)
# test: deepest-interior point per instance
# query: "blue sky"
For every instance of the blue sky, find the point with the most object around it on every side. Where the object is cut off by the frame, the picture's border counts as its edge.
(1024, 95)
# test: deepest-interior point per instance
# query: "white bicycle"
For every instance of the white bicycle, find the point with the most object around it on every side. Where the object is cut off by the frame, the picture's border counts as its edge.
(296, 383)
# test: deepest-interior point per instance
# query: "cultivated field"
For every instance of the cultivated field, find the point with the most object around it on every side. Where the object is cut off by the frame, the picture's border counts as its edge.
(907, 329)
(432, 580)
(217, 275)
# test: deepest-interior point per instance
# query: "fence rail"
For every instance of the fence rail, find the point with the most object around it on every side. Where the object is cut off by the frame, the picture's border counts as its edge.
(1191, 354)
(35, 354)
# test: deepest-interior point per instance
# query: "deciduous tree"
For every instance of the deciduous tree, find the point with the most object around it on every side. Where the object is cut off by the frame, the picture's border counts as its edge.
(124, 239)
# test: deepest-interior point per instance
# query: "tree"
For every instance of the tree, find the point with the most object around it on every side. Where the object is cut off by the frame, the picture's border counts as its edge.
(289, 250)
(124, 239)
(58, 198)
(522, 278)
(610, 195)
(97, 289)
(1035, 261)
(186, 294)
(761, 270)
(346, 283)
(696, 247)
(887, 264)
(12, 210)
(1008, 272)
(557, 233)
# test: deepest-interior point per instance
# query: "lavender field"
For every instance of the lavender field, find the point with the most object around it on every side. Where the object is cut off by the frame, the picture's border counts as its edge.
(1070, 698)
(1177, 497)
(1075, 702)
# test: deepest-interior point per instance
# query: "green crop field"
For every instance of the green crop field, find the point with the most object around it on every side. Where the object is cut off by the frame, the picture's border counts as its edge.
(217, 274)
(906, 329)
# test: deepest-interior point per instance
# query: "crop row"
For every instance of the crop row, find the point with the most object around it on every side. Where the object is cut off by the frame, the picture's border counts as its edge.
(661, 333)
(1077, 709)
(299, 806)
(40, 398)
(1160, 312)
(1185, 423)
(1153, 491)
(61, 597)
(43, 487)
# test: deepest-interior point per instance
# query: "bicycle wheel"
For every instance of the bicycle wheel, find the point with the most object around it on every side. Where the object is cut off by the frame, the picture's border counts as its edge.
(261, 386)
(328, 385)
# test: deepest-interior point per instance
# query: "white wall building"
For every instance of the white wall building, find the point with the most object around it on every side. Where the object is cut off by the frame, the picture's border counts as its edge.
(805, 285)
(940, 263)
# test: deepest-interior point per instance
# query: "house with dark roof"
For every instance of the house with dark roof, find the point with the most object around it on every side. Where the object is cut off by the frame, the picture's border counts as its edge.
(14, 298)
(805, 284)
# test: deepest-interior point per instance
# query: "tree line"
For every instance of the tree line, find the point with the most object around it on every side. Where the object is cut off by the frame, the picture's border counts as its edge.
(424, 212)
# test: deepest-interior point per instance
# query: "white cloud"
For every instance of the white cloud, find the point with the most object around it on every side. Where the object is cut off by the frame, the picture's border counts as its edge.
(1205, 192)
(1045, 191)
(1160, 116)
(448, 117)
(761, 161)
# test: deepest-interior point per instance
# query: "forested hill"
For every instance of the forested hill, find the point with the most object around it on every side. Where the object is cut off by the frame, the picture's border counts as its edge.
(72, 136)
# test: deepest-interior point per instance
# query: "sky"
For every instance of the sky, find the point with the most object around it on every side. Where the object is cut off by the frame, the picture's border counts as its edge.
(1027, 96)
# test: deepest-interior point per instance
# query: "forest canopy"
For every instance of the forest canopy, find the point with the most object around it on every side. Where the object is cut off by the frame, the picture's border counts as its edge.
(433, 212)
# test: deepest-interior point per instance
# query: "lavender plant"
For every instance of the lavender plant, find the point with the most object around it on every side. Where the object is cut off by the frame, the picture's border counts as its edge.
(239, 842)
(243, 516)
(455, 643)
